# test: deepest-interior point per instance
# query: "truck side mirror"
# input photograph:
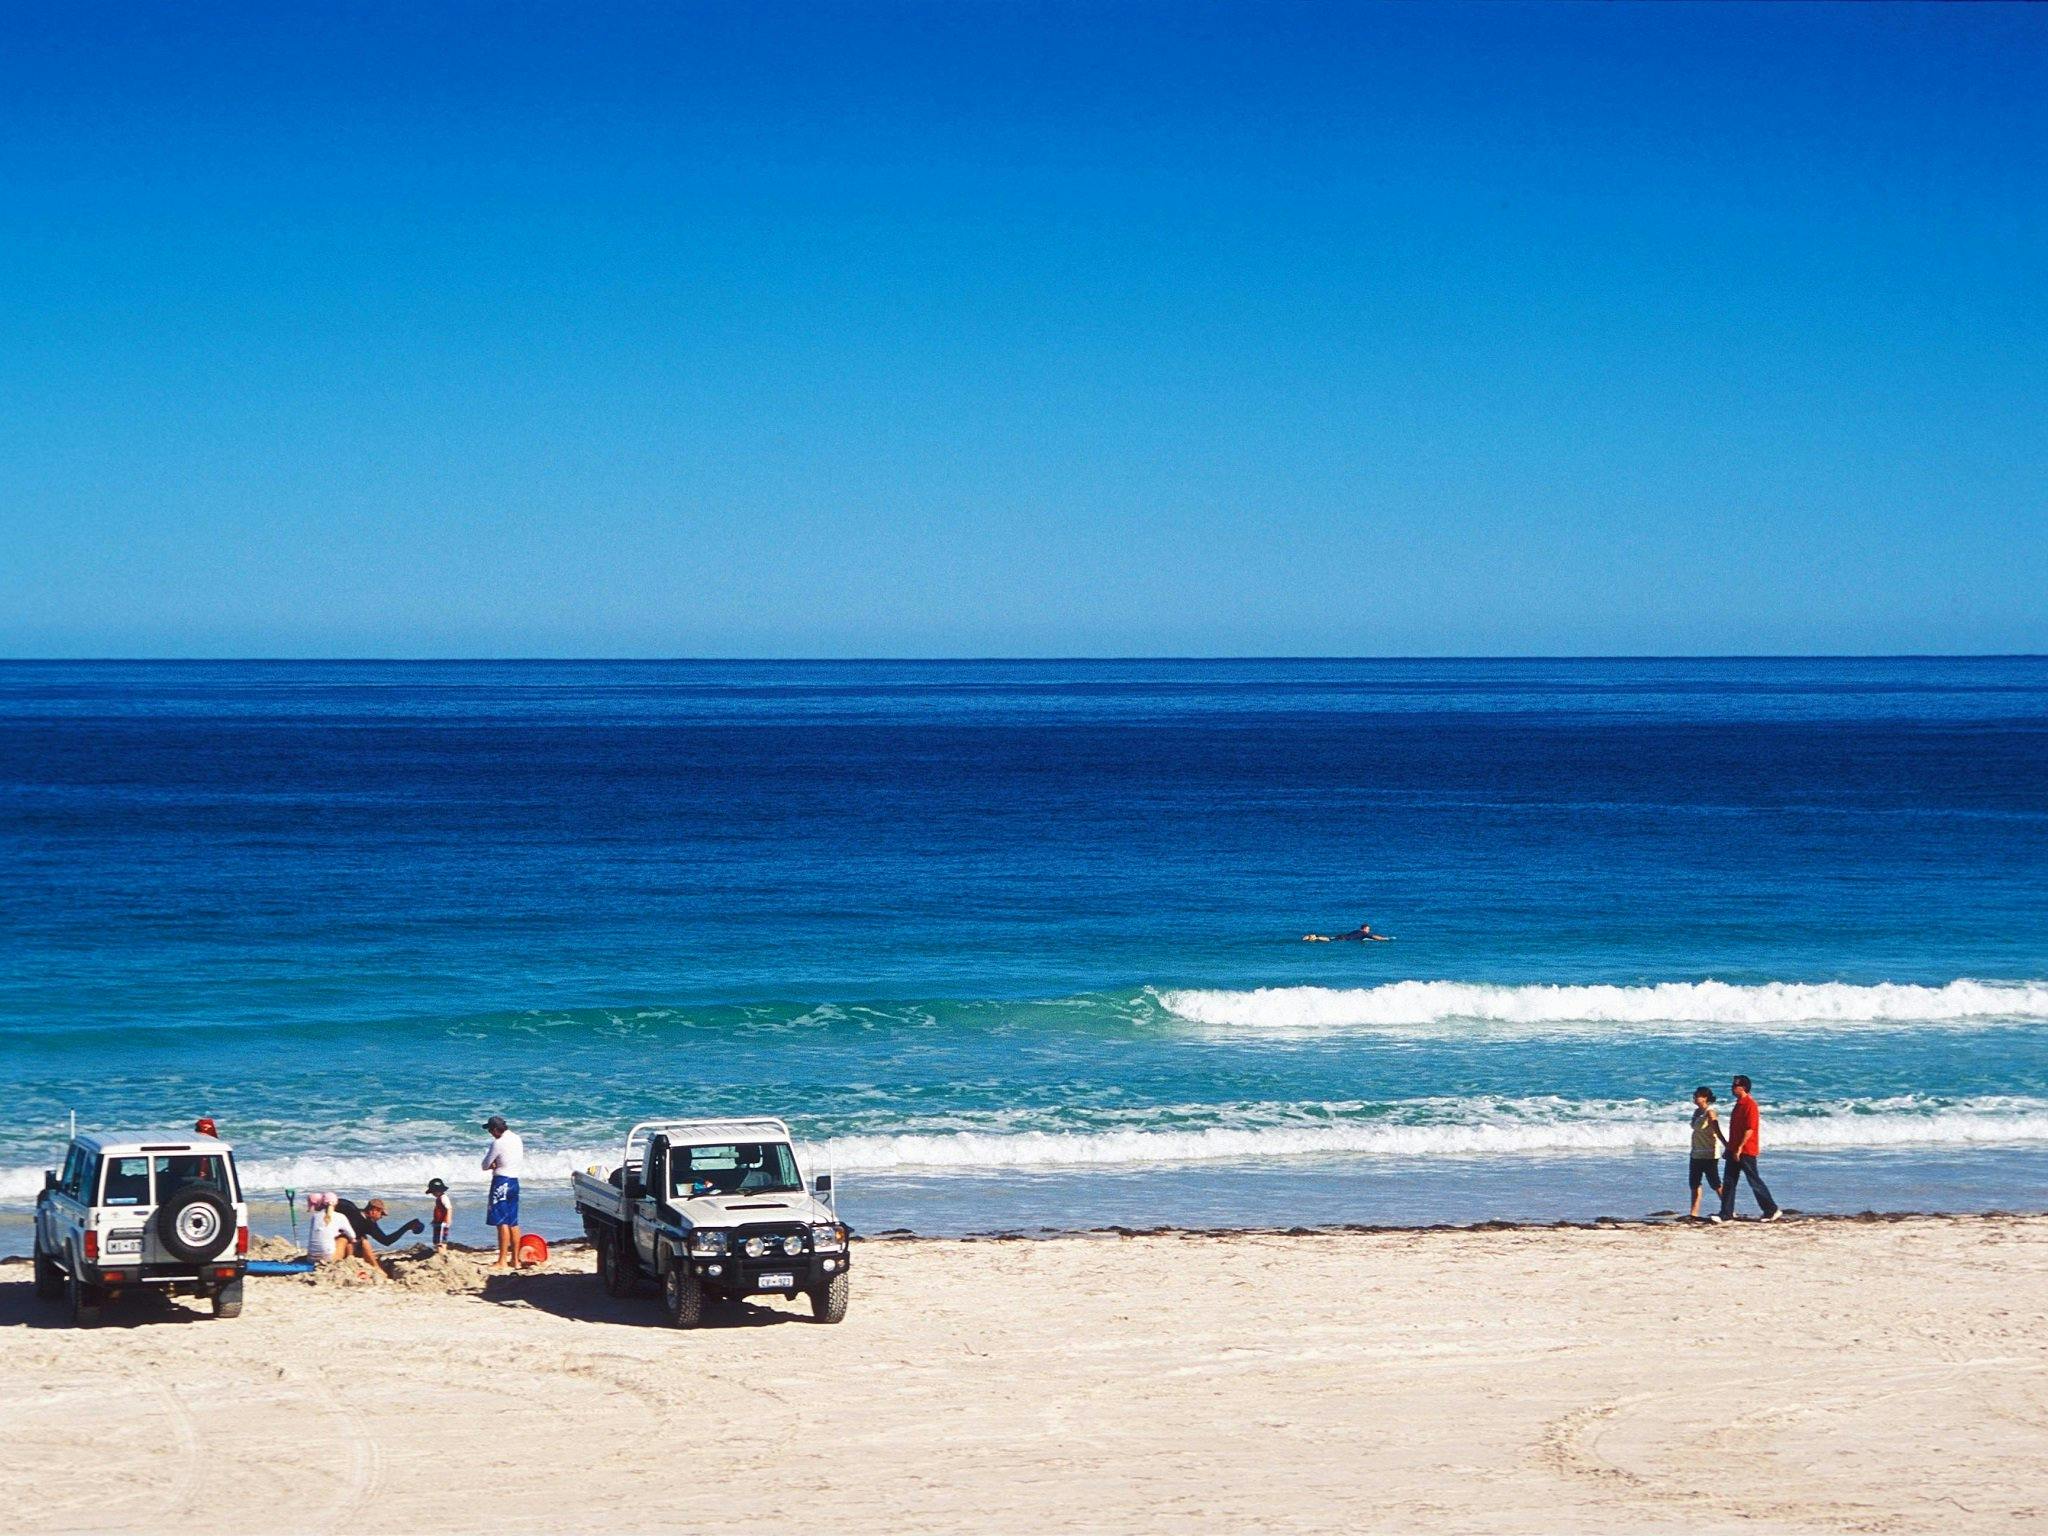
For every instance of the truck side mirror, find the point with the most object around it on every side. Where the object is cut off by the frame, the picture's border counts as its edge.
(824, 1184)
(49, 1180)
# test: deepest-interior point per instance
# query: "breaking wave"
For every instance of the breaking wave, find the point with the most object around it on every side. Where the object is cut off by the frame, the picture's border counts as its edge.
(1401, 1005)
(1493, 1129)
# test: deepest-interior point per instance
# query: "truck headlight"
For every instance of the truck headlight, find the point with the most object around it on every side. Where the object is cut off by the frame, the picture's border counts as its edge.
(706, 1244)
(828, 1239)
(755, 1247)
(793, 1244)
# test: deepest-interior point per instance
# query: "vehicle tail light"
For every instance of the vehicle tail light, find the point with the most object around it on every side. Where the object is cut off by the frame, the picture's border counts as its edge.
(241, 1240)
(112, 1276)
(223, 1274)
(92, 1246)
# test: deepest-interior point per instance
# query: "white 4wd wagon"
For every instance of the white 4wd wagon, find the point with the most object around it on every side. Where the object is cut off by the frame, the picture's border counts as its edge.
(158, 1212)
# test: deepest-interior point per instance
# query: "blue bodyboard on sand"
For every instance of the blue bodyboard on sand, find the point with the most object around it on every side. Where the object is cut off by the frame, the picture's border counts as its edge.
(280, 1266)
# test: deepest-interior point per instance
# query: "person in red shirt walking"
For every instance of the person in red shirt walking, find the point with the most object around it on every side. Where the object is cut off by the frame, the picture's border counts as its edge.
(1743, 1145)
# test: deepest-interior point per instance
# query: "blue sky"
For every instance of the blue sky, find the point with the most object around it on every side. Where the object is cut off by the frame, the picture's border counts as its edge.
(977, 329)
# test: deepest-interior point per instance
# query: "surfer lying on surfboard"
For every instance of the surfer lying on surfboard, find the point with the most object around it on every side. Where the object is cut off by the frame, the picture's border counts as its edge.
(1362, 934)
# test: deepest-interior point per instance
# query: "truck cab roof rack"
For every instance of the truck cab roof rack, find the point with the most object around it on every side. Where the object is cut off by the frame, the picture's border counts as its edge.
(758, 1128)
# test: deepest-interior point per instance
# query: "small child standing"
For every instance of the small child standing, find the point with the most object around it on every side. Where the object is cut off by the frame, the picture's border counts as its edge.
(1706, 1141)
(444, 1212)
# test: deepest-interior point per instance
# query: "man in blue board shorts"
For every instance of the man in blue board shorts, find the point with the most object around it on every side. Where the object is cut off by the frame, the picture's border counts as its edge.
(504, 1162)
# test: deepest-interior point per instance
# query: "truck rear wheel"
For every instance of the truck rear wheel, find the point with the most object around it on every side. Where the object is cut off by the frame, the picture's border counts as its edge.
(227, 1301)
(682, 1296)
(49, 1278)
(613, 1267)
(828, 1301)
(84, 1300)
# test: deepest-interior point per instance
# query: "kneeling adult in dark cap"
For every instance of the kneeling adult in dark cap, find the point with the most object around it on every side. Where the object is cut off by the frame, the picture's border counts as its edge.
(368, 1222)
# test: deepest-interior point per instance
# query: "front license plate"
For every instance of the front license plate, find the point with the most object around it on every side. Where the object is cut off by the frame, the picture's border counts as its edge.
(130, 1245)
(775, 1282)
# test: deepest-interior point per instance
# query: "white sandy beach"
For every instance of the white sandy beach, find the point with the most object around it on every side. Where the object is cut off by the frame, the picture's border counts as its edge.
(1813, 1376)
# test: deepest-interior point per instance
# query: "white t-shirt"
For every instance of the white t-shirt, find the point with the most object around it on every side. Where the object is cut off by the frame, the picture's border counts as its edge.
(507, 1155)
(322, 1227)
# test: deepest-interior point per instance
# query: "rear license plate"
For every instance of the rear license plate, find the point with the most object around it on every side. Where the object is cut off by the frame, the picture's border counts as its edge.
(124, 1245)
(775, 1282)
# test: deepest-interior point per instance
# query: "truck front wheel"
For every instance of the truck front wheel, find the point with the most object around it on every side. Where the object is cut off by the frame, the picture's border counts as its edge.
(682, 1296)
(49, 1278)
(613, 1267)
(828, 1301)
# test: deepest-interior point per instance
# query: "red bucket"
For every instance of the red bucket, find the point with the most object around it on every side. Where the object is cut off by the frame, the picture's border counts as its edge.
(533, 1249)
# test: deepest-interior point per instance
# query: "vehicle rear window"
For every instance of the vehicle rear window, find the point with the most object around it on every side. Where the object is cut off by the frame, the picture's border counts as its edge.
(127, 1181)
(174, 1173)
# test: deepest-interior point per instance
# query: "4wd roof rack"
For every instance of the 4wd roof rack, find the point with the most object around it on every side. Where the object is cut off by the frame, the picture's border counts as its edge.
(149, 1141)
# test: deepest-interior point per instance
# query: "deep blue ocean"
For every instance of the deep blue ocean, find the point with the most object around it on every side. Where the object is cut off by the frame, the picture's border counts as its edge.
(1017, 945)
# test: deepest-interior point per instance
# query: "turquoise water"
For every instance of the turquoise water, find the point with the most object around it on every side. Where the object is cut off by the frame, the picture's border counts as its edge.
(1017, 944)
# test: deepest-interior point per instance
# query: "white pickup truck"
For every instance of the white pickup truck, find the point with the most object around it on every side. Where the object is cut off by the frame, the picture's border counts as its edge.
(715, 1209)
(134, 1213)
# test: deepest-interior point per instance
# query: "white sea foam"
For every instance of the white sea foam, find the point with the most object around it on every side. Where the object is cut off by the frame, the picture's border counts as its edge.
(1431, 1005)
(390, 1173)
(1518, 1131)
(1498, 1128)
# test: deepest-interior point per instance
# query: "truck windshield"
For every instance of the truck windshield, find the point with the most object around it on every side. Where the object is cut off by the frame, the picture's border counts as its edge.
(750, 1168)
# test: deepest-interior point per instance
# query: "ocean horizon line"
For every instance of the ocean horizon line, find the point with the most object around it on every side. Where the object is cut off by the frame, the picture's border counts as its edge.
(1089, 659)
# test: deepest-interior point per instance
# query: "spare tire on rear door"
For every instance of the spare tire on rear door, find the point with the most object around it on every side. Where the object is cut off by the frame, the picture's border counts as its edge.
(196, 1224)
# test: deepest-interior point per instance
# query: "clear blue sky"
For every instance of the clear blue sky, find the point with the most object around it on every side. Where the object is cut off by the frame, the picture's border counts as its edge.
(972, 329)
